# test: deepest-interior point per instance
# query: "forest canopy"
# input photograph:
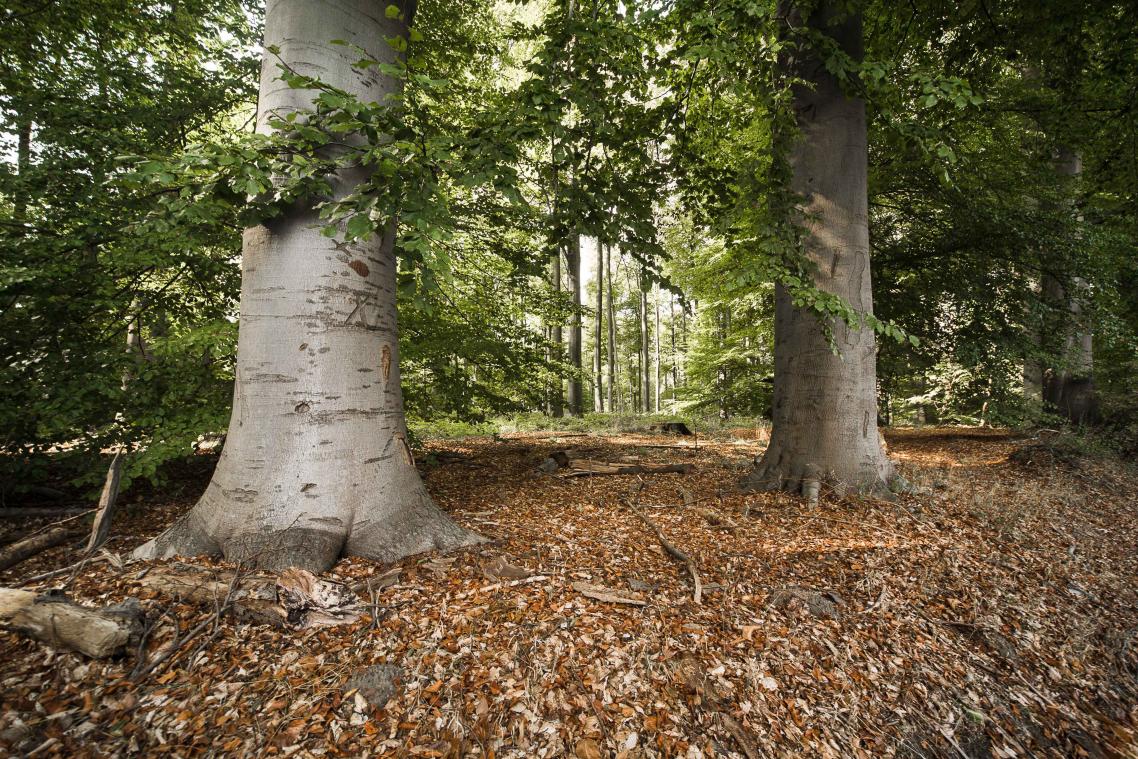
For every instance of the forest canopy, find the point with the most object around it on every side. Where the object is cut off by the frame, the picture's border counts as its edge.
(591, 203)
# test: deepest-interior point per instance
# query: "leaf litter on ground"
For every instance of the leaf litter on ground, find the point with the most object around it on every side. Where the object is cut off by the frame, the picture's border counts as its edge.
(995, 614)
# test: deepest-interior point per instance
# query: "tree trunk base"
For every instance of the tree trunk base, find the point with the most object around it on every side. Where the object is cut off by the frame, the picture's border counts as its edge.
(1073, 397)
(780, 470)
(419, 529)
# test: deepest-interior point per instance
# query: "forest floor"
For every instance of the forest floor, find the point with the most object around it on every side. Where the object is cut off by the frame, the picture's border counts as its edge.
(993, 615)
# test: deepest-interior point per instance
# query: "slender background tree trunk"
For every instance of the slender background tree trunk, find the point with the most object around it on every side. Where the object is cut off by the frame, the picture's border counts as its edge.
(656, 310)
(612, 332)
(645, 367)
(556, 390)
(573, 263)
(598, 335)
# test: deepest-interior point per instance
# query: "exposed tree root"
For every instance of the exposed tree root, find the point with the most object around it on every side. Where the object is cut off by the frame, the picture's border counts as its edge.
(416, 528)
(777, 471)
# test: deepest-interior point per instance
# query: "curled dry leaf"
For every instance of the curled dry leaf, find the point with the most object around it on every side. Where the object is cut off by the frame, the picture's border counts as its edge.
(501, 569)
(587, 748)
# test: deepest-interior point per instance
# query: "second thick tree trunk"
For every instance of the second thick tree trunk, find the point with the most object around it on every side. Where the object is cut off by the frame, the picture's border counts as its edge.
(316, 462)
(1068, 387)
(825, 409)
(556, 405)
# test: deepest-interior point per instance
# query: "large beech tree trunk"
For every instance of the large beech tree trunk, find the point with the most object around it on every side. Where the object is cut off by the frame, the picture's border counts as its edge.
(316, 462)
(825, 409)
(573, 263)
(1069, 386)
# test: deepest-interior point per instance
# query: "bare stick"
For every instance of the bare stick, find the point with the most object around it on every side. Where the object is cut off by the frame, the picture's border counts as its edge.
(25, 549)
(32, 512)
(672, 551)
(108, 500)
(212, 621)
(61, 571)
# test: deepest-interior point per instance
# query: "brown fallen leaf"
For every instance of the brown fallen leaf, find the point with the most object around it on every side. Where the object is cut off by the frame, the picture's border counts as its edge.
(742, 736)
(587, 748)
(500, 569)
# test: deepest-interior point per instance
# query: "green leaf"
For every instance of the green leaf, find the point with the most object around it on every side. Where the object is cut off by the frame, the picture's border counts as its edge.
(359, 226)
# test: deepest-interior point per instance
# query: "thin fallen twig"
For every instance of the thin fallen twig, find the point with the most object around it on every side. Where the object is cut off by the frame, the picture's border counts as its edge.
(214, 620)
(61, 571)
(672, 551)
(497, 585)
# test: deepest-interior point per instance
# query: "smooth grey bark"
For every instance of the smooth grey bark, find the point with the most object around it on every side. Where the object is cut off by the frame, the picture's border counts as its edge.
(316, 462)
(1068, 387)
(556, 405)
(598, 333)
(722, 379)
(675, 355)
(573, 264)
(645, 367)
(656, 309)
(684, 339)
(825, 408)
(612, 332)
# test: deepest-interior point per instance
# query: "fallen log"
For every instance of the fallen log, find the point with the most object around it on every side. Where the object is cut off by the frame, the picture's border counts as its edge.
(295, 599)
(671, 428)
(53, 619)
(587, 468)
(248, 599)
(25, 549)
(546, 435)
